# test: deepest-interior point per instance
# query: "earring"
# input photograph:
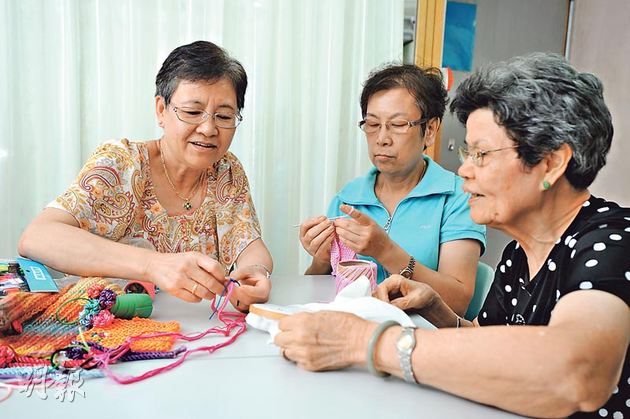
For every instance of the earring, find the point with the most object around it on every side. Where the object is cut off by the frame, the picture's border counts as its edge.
(160, 124)
(546, 185)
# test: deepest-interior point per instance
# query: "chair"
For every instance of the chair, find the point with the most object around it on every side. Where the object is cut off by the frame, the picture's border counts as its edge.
(483, 281)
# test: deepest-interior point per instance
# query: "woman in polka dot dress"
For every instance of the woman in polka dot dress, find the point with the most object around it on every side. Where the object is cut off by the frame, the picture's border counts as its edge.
(538, 133)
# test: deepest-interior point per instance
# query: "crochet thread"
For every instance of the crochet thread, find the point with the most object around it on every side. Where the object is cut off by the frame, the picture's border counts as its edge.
(346, 268)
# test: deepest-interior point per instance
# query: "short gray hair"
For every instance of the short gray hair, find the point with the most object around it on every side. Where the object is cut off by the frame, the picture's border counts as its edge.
(543, 102)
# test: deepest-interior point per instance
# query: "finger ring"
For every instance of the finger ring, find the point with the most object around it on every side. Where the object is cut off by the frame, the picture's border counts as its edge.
(194, 288)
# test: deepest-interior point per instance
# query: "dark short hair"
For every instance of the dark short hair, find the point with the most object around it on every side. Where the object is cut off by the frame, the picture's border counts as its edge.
(424, 84)
(201, 60)
(543, 102)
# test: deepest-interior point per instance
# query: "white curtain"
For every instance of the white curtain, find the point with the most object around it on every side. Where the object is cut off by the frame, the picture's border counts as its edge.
(76, 73)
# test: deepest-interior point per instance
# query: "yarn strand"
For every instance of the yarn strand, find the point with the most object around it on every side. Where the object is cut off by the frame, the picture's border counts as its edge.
(232, 321)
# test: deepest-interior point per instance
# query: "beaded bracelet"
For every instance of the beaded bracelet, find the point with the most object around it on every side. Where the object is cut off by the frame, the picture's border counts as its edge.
(372, 346)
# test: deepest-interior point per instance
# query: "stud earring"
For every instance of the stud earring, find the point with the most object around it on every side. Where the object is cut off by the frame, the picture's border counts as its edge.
(546, 185)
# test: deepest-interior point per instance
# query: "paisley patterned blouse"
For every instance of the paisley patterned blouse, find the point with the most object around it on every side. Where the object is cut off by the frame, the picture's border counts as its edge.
(114, 197)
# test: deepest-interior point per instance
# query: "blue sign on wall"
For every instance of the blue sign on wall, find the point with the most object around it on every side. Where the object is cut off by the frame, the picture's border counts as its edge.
(459, 35)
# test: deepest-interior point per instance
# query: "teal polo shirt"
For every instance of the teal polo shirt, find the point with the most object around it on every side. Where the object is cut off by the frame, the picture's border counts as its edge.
(434, 212)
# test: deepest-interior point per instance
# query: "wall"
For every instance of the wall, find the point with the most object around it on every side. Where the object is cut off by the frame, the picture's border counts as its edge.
(600, 43)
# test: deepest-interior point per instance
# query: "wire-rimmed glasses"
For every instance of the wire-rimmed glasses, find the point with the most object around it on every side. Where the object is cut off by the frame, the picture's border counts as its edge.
(194, 116)
(478, 155)
(395, 126)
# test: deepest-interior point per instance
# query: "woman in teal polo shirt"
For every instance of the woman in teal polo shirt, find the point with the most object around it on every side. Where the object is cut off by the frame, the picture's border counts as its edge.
(408, 214)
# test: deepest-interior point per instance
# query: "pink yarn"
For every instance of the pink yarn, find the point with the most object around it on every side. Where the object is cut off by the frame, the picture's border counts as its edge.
(103, 318)
(346, 268)
(339, 252)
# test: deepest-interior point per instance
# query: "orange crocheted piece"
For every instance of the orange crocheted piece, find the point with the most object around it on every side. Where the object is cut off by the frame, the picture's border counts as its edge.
(119, 330)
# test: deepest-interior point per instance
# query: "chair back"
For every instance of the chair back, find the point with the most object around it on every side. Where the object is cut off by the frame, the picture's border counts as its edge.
(483, 281)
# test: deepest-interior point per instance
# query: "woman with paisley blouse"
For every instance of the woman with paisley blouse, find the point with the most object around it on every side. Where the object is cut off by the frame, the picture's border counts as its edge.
(552, 337)
(183, 198)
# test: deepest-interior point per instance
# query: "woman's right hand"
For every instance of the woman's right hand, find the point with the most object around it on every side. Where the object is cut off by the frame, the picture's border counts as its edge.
(420, 298)
(316, 235)
(323, 341)
(191, 276)
(406, 294)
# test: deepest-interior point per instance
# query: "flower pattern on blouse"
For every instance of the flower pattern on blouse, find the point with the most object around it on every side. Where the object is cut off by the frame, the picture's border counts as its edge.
(114, 197)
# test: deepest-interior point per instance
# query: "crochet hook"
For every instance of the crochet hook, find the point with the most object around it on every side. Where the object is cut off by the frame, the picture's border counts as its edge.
(330, 218)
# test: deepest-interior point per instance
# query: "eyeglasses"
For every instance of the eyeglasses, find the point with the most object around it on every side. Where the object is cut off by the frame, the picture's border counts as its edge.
(395, 126)
(477, 156)
(197, 116)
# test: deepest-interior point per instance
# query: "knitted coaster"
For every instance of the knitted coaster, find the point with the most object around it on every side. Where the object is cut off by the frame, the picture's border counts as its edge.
(116, 334)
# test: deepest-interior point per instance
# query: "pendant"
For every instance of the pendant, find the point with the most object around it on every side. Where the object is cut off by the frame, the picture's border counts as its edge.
(187, 206)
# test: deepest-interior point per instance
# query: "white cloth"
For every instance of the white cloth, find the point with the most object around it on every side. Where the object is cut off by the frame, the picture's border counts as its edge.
(355, 298)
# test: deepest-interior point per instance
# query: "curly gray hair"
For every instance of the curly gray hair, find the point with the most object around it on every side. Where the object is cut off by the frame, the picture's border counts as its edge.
(543, 102)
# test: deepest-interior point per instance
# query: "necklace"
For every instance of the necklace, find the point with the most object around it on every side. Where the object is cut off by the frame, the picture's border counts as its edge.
(187, 205)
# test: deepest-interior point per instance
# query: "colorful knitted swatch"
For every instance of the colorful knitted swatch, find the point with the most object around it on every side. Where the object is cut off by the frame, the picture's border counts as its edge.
(346, 268)
(45, 318)
(49, 325)
(54, 344)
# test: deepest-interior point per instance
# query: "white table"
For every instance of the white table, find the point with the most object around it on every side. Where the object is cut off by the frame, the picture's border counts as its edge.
(247, 379)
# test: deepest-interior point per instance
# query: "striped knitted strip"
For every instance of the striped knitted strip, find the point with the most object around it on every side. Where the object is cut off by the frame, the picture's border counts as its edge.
(119, 330)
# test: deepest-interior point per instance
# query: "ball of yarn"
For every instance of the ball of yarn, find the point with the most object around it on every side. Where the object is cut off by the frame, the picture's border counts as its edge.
(92, 307)
(104, 318)
(86, 320)
(95, 290)
(107, 299)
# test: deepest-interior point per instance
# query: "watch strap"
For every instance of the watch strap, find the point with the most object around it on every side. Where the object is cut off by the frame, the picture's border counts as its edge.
(404, 346)
(407, 271)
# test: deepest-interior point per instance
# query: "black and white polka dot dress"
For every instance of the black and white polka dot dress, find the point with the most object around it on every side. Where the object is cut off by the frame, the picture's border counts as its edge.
(594, 253)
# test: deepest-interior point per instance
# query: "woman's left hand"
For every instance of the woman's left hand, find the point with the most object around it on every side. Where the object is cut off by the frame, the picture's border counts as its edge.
(326, 340)
(361, 233)
(255, 287)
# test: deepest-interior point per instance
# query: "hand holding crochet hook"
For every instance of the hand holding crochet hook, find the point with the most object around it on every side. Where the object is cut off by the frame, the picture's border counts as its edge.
(191, 276)
(316, 236)
(361, 233)
(255, 286)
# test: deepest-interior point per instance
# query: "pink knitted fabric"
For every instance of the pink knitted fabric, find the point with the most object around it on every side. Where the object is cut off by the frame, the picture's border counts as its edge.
(346, 268)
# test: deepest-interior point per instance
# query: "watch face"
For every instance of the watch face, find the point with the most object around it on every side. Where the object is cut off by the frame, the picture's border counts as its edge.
(405, 342)
(406, 273)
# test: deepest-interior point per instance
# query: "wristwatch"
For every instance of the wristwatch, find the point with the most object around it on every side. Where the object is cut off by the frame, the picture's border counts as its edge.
(404, 346)
(407, 272)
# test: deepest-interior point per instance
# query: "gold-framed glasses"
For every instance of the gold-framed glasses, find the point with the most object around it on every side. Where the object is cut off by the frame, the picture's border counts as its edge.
(194, 116)
(395, 126)
(478, 155)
